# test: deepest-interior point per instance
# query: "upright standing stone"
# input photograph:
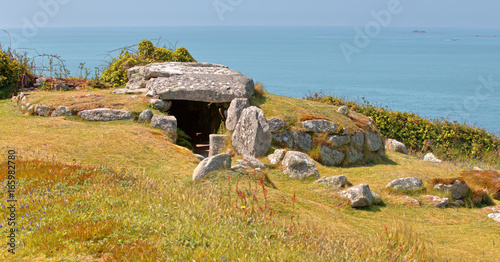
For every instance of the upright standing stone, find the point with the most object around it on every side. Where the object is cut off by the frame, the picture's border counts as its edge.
(234, 112)
(217, 144)
(252, 135)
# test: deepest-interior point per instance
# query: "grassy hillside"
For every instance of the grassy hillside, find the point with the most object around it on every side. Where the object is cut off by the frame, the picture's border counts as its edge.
(118, 191)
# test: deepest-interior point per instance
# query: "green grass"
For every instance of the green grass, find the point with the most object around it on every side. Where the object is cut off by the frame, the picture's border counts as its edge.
(137, 201)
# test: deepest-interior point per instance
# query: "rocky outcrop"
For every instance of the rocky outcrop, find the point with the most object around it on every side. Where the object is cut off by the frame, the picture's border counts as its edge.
(359, 195)
(161, 105)
(145, 115)
(105, 114)
(320, 125)
(335, 181)
(430, 157)
(62, 111)
(302, 141)
(167, 123)
(277, 156)
(435, 201)
(217, 143)
(234, 112)
(283, 139)
(338, 141)
(373, 141)
(457, 190)
(210, 164)
(42, 110)
(299, 165)
(331, 157)
(407, 183)
(252, 136)
(396, 146)
(276, 124)
(353, 155)
(204, 82)
(358, 140)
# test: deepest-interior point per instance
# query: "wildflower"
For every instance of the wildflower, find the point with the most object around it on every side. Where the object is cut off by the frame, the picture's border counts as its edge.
(243, 207)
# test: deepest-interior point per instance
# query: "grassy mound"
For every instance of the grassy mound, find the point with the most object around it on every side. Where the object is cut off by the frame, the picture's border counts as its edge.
(118, 191)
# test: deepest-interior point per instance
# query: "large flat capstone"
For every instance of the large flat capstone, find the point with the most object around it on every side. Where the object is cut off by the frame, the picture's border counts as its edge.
(203, 82)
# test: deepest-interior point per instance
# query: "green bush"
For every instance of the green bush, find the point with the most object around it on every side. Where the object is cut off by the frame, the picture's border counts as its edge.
(450, 140)
(146, 53)
(12, 74)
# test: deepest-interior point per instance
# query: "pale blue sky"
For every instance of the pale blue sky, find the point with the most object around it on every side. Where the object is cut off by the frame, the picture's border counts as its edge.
(414, 13)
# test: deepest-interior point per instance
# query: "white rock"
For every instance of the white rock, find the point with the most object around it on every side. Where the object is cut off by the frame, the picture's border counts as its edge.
(299, 165)
(359, 195)
(432, 158)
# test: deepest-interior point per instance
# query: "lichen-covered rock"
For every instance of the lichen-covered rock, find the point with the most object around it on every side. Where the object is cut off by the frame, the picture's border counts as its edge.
(161, 105)
(168, 123)
(338, 141)
(430, 157)
(331, 157)
(359, 195)
(234, 112)
(435, 201)
(276, 124)
(377, 199)
(302, 141)
(335, 181)
(252, 136)
(353, 155)
(320, 125)
(62, 111)
(277, 156)
(358, 140)
(204, 82)
(343, 110)
(407, 183)
(299, 165)
(283, 139)
(457, 190)
(251, 162)
(396, 146)
(217, 143)
(145, 115)
(42, 110)
(210, 164)
(105, 114)
(373, 141)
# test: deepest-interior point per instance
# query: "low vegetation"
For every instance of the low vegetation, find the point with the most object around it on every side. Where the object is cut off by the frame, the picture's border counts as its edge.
(146, 53)
(14, 72)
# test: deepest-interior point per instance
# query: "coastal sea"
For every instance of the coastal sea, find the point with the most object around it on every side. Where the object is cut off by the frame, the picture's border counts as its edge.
(435, 72)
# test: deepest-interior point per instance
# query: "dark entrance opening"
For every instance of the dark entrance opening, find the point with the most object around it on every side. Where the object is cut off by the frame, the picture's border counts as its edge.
(198, 120)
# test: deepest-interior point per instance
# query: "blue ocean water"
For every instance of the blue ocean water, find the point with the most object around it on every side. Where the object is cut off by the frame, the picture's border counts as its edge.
(452, 73)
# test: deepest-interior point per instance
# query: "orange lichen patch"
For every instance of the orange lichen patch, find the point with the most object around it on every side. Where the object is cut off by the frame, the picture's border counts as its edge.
(312, 117)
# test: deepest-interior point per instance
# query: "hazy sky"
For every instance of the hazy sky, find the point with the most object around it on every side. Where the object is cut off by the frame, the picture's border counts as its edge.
(415, 13)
